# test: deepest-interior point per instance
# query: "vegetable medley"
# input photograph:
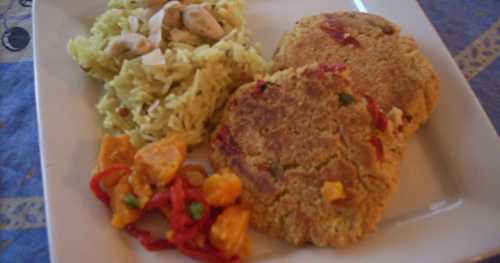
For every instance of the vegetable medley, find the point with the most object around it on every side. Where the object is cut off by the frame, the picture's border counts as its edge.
(204, 220)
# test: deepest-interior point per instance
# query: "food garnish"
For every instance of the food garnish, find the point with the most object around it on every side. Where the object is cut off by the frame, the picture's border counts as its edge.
(183, 193)
(346, 99)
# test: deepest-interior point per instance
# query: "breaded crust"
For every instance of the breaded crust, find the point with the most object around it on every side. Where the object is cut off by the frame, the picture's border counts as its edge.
(287, 134)
(386, 66)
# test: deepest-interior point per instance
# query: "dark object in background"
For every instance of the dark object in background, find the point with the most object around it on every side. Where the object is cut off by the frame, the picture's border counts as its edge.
(15, 39)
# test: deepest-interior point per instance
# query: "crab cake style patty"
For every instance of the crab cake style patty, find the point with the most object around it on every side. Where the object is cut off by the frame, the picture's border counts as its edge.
(292, 136)
(386, 66)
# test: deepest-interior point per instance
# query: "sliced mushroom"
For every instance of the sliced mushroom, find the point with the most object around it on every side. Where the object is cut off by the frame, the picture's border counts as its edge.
(168, 17)
(153, 58)
(131, 43)
(200, 21)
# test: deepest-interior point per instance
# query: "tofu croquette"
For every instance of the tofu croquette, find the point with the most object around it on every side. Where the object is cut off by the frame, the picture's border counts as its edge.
(288, 135)
(386, 66)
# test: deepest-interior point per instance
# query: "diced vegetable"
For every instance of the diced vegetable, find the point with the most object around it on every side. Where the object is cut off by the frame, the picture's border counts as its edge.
(346, 99)
(193, 228)
(131, 200)
(123, 214)
(159, 200)
(141, 188)
(114, 172)
(147, 239)
(184, 226)
(159, 161)
(333, 191)
(115, 150)
(378, 116)
(229, 231)
(179, 217)
(196, 210)
(379, 147)
(222, 189)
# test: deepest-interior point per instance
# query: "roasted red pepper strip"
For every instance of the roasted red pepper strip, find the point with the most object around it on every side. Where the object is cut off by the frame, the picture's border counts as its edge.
(179, 217)
(95, 183)
(158, 200)
(379, 147)
(225, 142)
(378, 117)
(197, 228)
(147, 240)
(207, 254)
(336, 30)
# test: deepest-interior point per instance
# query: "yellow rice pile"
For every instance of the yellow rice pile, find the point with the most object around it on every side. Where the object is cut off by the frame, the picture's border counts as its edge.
(148, 102)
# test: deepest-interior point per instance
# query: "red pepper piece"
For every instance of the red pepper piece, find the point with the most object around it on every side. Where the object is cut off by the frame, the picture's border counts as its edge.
(158, 200)
(378, 117)
(207, 254)
(335, 29)
(379, 147)
(225, 142)
(178, 205)
(260, 87)
(192, 231)
(147, 240)
(95, 182)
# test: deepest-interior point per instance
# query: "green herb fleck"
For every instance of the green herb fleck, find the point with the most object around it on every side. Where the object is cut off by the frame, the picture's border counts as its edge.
(346, 99)
(196, 210)
(264, 85)
(131, 200)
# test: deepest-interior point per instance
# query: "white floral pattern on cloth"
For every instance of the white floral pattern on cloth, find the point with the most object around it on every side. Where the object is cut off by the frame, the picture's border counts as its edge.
(15, 30)
(21, 213)
(480, 53)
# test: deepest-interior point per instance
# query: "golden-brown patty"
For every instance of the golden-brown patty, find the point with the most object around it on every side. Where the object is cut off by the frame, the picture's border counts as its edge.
(288, 134)
(386, 66)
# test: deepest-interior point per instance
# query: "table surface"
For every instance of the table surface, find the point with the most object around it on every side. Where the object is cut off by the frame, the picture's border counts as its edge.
(469, 28)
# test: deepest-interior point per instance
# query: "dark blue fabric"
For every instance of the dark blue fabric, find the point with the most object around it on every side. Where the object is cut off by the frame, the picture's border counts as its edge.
(459, 22)
(19, 161)
(487, 88)
(30, 246)
(19, 154)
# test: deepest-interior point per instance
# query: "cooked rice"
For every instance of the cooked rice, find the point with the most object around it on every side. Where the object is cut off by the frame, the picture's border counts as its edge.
(148, 102)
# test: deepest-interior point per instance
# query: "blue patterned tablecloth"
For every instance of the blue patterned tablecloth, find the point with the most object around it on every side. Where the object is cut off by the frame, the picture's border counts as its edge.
(469, 28)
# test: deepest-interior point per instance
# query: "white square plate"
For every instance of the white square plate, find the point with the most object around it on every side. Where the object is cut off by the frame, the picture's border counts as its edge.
(447, 208)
